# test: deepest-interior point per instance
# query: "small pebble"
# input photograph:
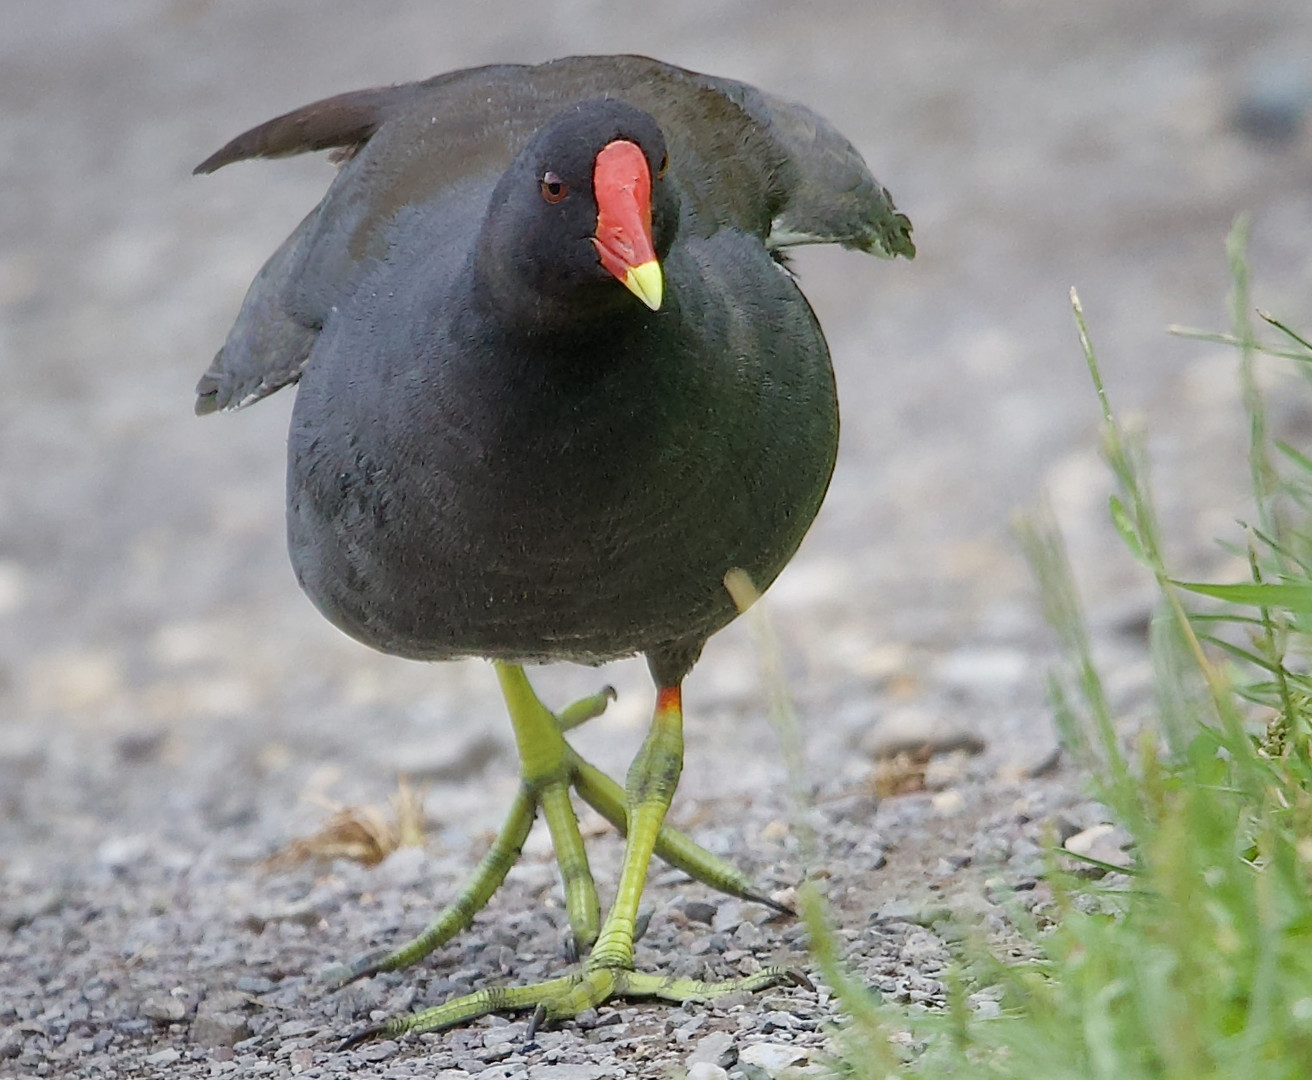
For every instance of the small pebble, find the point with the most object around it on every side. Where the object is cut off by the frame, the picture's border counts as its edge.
(1106, 843)
(164, 1057)
(699, 911)
(25, 910)
(684, 1032)
(773, 1057)
(727, 917)
(165, 1010)
(912, 911)
(914, 730)
(377, 1051)
(705, 1070)
(212, 1028)
(496, 1049)
(716, 1049)
(120, 852)
(566, 1072)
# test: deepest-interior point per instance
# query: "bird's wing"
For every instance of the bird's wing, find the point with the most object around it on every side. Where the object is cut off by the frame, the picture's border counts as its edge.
(742, 159)
(267, 347)
(832, 198)
(270, 342)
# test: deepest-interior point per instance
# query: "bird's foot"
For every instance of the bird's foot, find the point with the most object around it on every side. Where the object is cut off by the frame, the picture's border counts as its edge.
(550, 791)
(568, 996)
(605, 796)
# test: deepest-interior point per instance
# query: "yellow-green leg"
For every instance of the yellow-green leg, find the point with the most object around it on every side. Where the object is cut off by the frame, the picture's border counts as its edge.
(596, 789)
(649, 790)
(678, 849)
(547, 764)
(457, 915)
(545, 767)
(608, 970)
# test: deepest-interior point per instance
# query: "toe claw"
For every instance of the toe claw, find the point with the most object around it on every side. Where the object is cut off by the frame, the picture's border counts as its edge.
(798, 977)
(535, 1020)
(367, 1035)
(773, 905)
(362, 967)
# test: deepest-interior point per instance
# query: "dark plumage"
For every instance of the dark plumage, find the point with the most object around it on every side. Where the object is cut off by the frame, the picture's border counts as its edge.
(496, 448)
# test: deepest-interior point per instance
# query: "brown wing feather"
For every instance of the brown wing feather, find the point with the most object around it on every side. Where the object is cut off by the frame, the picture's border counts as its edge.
(345, 121)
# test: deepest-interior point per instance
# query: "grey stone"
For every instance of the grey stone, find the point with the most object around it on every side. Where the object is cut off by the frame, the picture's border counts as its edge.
(699, 911)
(223, 1001)
(716, 1048)
(727, 917)
(773, 1057)
(165, 1010)
(910, 729)
(17, 915)
(566, 1072)
(212, 1028)
(496, 1048)
(917, 912)
(120, 852)
(163, 1057)
(377, 1051)
(685, 1031)
(705, 1070)
(778, 1020)
(11, 1044)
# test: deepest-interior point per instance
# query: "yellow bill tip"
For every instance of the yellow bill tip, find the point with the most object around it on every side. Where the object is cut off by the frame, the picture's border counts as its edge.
(646, 283)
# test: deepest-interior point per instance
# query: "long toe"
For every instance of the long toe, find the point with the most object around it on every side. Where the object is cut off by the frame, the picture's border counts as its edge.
(568, 996)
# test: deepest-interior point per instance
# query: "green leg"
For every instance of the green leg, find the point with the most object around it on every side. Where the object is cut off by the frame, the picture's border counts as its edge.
(546, 770)
(652, 779)
(606, 797)
(457, 915)
(608, 971)
(544, 764)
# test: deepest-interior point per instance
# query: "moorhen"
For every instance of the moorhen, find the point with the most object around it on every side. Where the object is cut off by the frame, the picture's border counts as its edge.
(556, 381)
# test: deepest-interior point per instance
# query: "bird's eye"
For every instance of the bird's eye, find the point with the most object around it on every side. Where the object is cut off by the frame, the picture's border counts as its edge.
(553, 188)
(665, 164)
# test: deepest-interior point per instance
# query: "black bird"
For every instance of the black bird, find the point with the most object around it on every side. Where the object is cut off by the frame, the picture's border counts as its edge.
(555, 383)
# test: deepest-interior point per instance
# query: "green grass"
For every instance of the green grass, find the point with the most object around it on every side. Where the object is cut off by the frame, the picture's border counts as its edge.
(1202, 968)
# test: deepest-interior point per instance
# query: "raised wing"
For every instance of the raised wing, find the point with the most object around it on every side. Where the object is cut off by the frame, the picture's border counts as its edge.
(743, 159)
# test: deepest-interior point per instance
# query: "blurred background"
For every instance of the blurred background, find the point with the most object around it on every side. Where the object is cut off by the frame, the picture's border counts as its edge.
(164, 686)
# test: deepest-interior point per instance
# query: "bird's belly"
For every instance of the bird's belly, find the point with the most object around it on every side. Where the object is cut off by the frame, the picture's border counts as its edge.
(539, 508)
(552, 564)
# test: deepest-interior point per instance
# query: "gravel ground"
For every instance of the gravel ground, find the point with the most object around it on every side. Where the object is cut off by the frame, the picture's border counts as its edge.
(174, 711)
